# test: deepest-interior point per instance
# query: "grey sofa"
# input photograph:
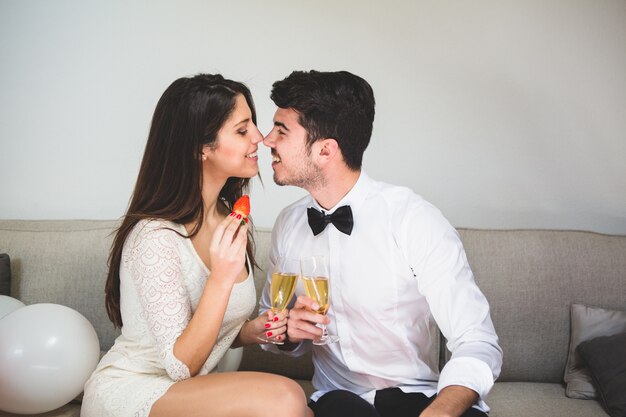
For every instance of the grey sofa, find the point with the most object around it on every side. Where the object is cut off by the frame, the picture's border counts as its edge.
(530, 277)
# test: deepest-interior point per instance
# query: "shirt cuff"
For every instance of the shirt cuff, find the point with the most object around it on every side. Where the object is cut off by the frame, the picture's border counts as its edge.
(300, 350)
(467, 372)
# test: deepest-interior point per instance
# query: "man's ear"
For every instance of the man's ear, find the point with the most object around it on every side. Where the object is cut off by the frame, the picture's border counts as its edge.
(328, 149)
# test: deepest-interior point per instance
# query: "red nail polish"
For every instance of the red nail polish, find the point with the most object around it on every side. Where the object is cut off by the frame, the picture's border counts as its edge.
(267, 325)
(269, 334)
(246, 220)
(231, 214)
(239, 216)
(276, 318)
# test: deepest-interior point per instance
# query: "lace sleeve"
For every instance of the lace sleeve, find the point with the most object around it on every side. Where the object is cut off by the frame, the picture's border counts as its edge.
(155, 266)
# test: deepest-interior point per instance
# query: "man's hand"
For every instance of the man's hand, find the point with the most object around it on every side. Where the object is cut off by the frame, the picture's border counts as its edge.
(301, 323)
(452, 401)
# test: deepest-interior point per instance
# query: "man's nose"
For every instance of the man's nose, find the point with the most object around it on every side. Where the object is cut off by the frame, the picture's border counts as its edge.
(269, 140)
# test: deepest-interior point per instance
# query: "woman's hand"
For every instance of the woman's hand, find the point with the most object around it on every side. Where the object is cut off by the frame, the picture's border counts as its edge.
(267, 324)
(275, 325)
(227, 251)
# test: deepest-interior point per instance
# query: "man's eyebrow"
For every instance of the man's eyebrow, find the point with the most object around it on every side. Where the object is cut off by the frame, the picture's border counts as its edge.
(282, 125)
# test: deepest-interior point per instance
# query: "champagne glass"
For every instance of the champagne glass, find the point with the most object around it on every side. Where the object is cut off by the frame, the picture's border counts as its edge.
(315, 278)
(284, 277)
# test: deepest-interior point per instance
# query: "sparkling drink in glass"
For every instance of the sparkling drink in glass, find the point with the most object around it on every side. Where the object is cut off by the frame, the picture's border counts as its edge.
(315, 278)
(284, 278)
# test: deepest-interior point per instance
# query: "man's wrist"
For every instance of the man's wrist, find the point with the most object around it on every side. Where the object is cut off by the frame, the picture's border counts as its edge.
(452, 400)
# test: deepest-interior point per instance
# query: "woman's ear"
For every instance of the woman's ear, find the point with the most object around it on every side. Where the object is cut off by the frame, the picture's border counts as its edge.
(206, 150)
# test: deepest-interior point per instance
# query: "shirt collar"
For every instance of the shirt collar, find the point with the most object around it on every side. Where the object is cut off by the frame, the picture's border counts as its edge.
(354, 198)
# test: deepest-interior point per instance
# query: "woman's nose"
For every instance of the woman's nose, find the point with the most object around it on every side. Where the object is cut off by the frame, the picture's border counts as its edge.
(258, 137)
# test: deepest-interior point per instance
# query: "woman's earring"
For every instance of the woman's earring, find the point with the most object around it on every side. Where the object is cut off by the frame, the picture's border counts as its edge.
(204, 157)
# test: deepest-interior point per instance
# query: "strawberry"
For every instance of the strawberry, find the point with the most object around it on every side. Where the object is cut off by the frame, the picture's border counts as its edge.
(242, 206)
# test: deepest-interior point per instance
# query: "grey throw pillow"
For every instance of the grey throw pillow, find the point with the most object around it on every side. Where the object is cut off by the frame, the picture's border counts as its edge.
(588, 323)
(5, 274)
(606, 358)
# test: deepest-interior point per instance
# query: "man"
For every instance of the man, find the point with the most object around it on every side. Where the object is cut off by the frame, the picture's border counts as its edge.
(396, 267)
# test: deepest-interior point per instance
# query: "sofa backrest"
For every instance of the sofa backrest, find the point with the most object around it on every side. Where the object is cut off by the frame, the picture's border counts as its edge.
(62, 262)
(531, 277)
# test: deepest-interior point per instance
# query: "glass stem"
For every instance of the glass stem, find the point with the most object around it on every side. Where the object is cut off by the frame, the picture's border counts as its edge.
(324, 332)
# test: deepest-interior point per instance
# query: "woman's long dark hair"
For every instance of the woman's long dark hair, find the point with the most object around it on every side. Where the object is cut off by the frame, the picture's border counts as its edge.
(187, 117)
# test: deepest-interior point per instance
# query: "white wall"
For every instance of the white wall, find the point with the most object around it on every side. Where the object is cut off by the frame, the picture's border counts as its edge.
(504, 114)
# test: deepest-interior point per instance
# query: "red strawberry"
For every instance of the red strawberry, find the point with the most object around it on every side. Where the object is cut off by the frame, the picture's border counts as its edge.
(242, 206)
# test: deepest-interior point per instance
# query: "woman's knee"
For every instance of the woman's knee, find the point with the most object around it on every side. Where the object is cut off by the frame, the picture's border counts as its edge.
(292, 399)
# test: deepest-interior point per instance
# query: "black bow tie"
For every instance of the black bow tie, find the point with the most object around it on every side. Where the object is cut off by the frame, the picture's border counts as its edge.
(341, 218)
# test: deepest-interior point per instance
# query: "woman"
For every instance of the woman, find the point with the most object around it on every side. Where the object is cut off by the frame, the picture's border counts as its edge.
(180, 281)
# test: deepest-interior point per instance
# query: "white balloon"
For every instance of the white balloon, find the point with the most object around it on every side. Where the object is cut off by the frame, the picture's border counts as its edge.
(47, 352)
(9, 305)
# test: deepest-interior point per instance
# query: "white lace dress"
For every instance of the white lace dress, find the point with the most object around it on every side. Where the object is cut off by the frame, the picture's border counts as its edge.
(161, 281)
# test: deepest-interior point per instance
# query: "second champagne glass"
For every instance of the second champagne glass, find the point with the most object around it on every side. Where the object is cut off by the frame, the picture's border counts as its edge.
(284, 278)
(315, 278)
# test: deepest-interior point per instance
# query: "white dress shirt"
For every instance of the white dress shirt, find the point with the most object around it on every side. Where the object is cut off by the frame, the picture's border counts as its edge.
(401, 272)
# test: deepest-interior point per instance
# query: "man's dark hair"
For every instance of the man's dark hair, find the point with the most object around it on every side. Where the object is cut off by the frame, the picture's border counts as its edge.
(337, 105)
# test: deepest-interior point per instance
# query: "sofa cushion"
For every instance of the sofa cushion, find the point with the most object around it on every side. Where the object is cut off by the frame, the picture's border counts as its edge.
(68, 410)
(531, 278)
(588, 323)
(528, 399)
(605, 357)
(5, 274)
